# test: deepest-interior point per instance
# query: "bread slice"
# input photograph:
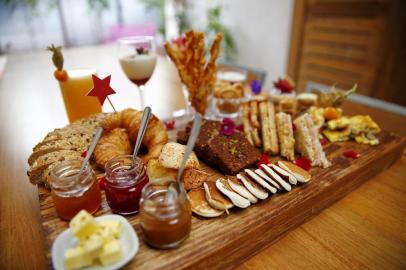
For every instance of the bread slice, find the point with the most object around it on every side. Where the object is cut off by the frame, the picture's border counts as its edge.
(172, 154)
(276, 177)
(194, 178)
(42, 162)
(301, 175)
(236, 199)
(260, 181)
(253, 187)
(215, 198)
(75, 144)
(200, 206)
(285, 135)
(308, 143)
(155, 170)
(239, 187)
(46, 176)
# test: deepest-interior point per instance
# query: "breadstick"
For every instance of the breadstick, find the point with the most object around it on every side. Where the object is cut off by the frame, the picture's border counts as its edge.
(272, 128)
(254, 114)
(246, 122)
(265, 129)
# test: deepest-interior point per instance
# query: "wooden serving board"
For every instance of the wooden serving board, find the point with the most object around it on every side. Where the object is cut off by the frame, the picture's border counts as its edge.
(224, 242)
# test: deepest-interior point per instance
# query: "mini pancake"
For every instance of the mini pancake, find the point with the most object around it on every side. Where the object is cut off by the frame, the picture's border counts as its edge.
(267, 178)
(199, 204)
(300, 174)
(215, 198)
(237, 200)
(253, 187)
(276, 177)
(260, 181)
(239, 187)
(284, 174)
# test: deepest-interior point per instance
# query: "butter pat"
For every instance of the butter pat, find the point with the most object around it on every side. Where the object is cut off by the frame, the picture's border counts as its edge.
(75, 258)
(93, 246)
(111, 253)
(115, 226)
(83, 225)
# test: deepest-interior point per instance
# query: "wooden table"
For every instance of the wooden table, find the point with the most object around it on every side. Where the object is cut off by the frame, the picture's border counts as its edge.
(364, 230)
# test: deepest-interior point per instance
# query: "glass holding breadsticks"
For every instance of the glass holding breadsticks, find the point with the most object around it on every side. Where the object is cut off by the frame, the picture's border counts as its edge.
(197, 73)
(137, 56)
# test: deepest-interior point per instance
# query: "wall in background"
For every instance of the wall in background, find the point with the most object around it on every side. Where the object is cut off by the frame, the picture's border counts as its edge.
(27, 29)
(261, 29)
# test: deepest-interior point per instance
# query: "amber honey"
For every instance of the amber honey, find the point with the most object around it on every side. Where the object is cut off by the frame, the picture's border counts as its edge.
(71, 192)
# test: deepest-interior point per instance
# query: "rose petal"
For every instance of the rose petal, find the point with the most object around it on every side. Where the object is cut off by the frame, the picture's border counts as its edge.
(303, 163)
(323, 141)
(263, 160)
(83, 155)
(170, 124)
(351, 154)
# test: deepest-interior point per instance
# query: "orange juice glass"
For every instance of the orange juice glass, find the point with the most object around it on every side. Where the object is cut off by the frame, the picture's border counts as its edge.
(74, 91)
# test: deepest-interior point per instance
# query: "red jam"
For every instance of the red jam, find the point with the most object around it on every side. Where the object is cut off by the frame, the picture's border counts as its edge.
(123, 184)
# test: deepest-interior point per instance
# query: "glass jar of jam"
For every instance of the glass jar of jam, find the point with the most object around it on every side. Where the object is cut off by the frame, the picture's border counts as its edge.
(125, 179)
(164, 222)
(72, 192)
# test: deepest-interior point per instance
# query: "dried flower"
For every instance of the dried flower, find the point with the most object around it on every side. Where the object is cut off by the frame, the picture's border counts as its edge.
(283, 85)
(255, 87)
(227, 127)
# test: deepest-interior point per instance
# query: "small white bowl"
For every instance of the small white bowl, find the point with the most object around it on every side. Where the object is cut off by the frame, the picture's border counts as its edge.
(129, 243)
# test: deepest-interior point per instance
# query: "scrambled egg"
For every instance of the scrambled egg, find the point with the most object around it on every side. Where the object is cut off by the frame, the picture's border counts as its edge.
(337, 135)
(363, 124)
(317, 114)
(340, 123)
(367, 138)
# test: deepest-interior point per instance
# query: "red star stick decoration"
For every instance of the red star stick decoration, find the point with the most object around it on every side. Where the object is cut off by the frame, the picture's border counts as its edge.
(101, 89)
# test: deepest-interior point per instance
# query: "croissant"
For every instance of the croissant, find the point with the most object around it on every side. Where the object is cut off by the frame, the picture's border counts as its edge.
(113, 143)
(155, 136)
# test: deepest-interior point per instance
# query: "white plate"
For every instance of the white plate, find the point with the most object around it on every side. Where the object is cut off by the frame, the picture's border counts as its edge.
(129, 243)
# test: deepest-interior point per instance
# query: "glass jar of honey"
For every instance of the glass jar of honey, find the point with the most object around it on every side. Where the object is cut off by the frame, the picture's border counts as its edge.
(125, 179)
(72, 192)
(165, 222)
